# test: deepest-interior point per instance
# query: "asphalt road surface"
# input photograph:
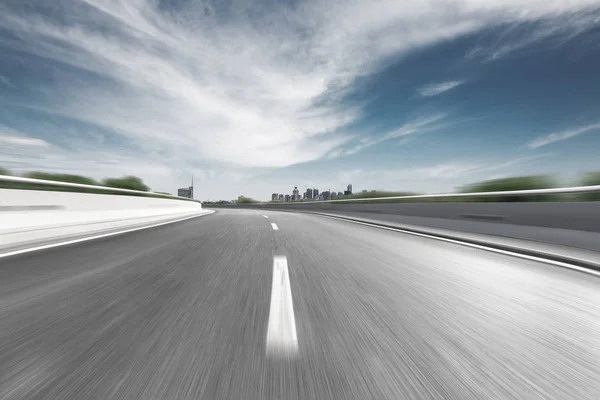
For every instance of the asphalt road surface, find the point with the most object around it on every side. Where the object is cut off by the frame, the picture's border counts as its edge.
(200, 310)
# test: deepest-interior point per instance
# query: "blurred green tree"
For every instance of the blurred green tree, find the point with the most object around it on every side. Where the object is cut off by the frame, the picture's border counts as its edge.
(49, 176)
(126, 182)
(591, 179)
(514, 183)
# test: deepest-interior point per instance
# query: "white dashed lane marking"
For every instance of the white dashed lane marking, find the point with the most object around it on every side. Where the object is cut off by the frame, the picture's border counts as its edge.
(281, 331)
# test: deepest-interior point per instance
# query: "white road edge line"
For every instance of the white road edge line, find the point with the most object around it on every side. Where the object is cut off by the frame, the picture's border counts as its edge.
(281, 330)
(274, 226)
(49, 246)
(476, 246)
(266, 216)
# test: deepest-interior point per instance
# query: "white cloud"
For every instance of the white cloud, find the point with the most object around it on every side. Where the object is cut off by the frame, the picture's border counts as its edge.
(560, 136)
(23, 141)
(4, 81)
(522, 34)
(242, 91)
(416, 126)
(434, 89)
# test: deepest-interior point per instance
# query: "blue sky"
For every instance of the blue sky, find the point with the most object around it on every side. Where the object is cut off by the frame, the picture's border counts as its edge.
(258, 97)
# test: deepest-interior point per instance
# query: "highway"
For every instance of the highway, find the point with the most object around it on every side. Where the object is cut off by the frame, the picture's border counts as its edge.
(247, 304)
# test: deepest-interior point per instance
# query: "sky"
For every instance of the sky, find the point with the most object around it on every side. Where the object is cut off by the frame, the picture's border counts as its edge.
(256, 97)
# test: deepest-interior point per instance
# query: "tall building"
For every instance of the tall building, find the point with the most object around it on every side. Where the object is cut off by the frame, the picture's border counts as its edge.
(315, 193)
(274, 197)
(350, 188)
(187, 192)
(287, 197)
(340, 193)
(280, 197)
(327, 195)
(295, 192)
(309, 194)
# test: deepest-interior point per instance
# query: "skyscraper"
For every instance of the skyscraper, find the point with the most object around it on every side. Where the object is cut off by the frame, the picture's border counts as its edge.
(315, 193)
(280, 197)
(287, 197)
(327, 195)
(187, 192)
(350, 188)
(309, 194)
(274, 197)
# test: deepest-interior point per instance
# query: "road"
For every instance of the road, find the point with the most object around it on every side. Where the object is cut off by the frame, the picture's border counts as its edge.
(182, 312)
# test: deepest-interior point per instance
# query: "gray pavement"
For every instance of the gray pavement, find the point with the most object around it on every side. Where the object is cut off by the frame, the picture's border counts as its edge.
(181, 312)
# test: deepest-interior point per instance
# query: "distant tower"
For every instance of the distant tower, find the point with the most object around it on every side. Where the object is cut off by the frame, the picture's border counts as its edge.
(350, 189)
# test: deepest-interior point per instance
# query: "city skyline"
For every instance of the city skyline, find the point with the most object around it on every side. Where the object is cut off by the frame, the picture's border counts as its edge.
(312, 193)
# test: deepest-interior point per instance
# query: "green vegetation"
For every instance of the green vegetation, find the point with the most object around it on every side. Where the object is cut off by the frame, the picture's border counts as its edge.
(510, 184)
(246, 200)
(127, 182)
(61, 178)
(591, 179)
(240, 200)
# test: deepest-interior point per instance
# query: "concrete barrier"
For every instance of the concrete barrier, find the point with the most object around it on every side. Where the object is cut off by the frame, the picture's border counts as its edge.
(31, 218)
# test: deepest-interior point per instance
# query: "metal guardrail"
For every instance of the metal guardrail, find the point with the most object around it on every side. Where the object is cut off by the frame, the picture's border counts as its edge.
(84, 186)
(567, 190)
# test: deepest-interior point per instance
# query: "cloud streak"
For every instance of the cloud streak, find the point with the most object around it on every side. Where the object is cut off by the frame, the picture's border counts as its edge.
(421, 125)
(23, 141)
(4, 81)
(560, 136)
(437, 88)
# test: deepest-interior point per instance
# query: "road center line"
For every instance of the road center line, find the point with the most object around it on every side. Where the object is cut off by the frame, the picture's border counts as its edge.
(266, 216)
(274, 226)
(281, 330)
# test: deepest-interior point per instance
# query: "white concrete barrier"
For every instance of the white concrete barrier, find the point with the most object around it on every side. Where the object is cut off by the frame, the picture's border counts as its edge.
(30, 217)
